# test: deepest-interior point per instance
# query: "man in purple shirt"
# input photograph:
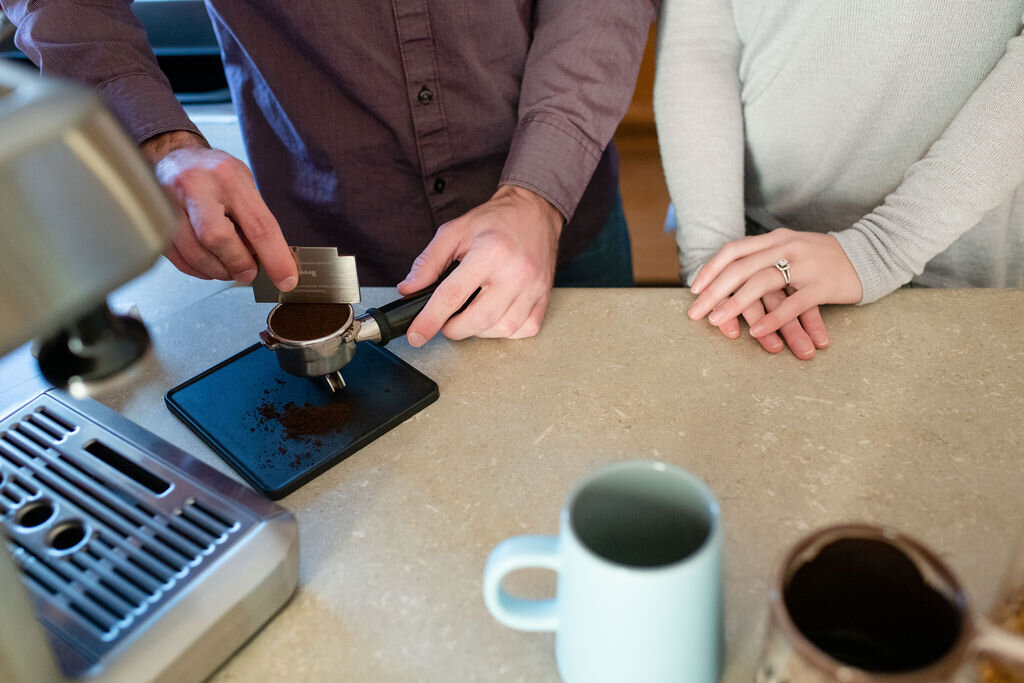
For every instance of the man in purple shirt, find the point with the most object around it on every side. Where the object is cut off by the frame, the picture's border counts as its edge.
(370, 124)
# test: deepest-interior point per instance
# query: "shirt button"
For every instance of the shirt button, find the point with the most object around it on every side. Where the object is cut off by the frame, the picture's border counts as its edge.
(439, 185)
(425, 96)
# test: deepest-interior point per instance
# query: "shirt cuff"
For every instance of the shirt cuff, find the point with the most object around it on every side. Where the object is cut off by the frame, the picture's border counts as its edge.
(553, 158)
(145, 106)
(876, 277)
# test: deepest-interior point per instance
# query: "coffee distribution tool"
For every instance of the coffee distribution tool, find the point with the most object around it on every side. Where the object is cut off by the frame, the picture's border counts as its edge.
(325, 277)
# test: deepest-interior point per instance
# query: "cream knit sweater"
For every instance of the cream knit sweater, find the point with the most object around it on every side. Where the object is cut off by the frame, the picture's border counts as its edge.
(896, 125)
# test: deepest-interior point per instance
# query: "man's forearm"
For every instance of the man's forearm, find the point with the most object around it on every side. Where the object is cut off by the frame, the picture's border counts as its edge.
(102, 45)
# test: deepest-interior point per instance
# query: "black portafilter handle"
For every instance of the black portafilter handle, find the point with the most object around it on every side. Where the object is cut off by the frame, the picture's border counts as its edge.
(393, 319)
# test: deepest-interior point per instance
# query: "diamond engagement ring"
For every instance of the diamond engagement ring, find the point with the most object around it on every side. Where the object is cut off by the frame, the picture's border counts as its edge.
(783, 266)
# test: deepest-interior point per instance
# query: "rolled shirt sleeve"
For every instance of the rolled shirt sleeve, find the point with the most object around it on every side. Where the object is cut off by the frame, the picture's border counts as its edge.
(100, 43)
(579, 78)
(970, 170)
(698, 111)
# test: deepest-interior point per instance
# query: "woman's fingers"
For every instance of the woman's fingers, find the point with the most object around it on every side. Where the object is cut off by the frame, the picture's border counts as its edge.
(787, 311)
(730, 328)
(759, 284)
(815, 327)
(771, 342)
(797, 339)
(734, 251)
(732, 278)
(744, 273)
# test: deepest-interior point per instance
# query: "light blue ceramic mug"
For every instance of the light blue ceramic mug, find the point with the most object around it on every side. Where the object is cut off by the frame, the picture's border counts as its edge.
(639, 562)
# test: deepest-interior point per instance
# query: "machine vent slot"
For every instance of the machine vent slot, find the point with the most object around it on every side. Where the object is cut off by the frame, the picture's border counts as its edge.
(34, 434)
(10, 495)
(49, 423)
(60, 423)
(127, 467)
(96, 549)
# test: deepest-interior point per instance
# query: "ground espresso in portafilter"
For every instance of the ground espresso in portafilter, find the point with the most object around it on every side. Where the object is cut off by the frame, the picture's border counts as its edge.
(304, 322)
(866, 604)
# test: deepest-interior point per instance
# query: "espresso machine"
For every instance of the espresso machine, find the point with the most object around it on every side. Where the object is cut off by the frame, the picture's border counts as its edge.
(122, 557)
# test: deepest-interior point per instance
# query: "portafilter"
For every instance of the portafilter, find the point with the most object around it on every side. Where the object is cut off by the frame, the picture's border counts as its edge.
(318, 340)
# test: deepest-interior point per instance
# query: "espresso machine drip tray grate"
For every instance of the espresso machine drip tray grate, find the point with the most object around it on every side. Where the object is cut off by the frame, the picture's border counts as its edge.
(124, 548)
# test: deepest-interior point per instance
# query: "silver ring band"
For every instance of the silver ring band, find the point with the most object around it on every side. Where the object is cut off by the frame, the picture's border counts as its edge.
(783, 266)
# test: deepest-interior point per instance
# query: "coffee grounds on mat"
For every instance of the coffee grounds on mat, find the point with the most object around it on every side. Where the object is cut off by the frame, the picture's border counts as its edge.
(304, 422)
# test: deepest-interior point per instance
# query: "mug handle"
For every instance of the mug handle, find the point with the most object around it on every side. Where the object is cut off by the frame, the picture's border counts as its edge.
(998, 644)
(521, 552)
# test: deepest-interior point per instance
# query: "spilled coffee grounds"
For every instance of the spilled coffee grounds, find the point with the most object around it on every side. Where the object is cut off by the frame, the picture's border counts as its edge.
(304, 422)
(303, 425)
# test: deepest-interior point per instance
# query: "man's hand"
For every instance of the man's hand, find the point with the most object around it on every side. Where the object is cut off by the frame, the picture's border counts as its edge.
(223, 220)
(507, 248)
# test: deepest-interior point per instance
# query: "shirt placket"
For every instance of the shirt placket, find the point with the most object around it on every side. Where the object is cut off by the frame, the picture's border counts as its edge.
(419, 64)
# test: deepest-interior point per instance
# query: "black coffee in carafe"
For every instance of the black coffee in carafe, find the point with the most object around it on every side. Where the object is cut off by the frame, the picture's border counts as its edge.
(867, 604)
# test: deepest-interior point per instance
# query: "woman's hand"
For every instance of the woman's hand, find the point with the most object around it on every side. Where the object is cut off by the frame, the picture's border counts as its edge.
(802, 336)
(742, 279)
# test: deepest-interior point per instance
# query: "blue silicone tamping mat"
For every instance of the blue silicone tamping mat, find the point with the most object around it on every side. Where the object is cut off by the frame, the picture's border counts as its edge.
(278, 430)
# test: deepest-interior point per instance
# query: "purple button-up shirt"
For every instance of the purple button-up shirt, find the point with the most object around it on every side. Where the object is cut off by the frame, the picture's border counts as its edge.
(369, 124)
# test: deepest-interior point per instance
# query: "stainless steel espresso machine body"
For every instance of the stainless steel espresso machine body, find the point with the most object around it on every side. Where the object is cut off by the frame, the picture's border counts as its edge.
(122, 558)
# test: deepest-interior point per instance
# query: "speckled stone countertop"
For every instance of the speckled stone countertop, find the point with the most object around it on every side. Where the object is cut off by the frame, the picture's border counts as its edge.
(913, 418)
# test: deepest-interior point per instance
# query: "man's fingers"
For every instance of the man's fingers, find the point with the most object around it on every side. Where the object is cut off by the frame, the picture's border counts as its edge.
(263, 233)
(488, 315)
(448, 298)
(506, 325)
(196, 255)
(531, 326)
(433, 260)
(218, 235)
(486, 311)
(178, 261)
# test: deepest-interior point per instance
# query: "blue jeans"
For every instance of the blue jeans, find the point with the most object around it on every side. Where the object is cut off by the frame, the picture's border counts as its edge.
(605, 262)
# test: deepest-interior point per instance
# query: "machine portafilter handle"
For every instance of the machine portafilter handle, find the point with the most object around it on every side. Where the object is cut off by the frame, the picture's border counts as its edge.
(392, 320)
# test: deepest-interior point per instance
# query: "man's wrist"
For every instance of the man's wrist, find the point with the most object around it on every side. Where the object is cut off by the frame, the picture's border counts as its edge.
(545, 207)
(159, 146)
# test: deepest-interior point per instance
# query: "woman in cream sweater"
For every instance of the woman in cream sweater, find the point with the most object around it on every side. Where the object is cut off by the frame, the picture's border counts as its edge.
(830, 152)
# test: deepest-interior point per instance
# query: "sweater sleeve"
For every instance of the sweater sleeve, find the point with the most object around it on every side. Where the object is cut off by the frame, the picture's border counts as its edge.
(969, 170)
(579, 77)
(100, 43)
(698, 112)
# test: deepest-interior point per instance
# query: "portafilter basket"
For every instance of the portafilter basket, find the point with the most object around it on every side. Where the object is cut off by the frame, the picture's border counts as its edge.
(325, 355)
(316, 357)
